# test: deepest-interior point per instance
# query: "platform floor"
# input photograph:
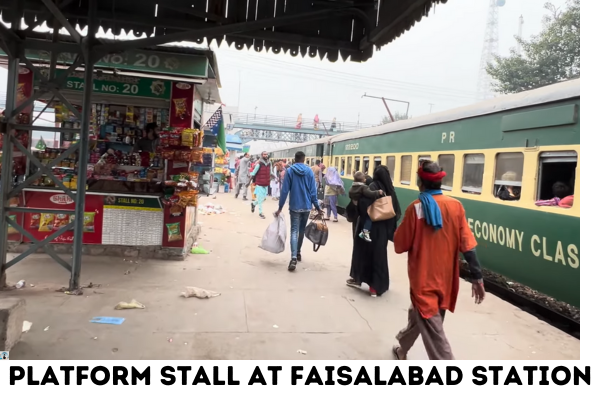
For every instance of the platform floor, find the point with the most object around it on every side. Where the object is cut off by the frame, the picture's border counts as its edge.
(264, 312)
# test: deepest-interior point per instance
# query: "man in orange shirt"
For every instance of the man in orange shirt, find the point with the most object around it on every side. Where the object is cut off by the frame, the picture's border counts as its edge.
(433, 232)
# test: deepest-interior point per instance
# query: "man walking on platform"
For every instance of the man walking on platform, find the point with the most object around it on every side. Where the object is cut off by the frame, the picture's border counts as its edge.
(299, 183)
(262, 174)
(433, 232)
(242, 178)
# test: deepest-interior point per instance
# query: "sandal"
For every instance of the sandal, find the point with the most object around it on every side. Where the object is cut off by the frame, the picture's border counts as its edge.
(335, 220)
(399, 353)
(352, 283)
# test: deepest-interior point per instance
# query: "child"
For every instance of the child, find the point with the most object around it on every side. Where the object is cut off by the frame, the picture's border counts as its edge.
(358, 190)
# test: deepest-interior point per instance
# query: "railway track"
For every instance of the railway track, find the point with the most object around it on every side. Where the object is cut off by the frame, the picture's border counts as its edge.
(552, 317)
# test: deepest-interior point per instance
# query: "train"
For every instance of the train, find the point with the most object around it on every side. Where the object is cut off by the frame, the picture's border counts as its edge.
(526, 141)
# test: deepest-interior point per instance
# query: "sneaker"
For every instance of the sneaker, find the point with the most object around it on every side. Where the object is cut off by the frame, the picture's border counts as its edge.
(373, 292)
(292, 265)
(262, 216)
(236, 196)
(252, 207)
(245, 199)
(364, 235)
(299, 257)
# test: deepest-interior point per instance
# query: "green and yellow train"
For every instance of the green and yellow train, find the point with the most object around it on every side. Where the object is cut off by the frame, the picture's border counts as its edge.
(526, 141)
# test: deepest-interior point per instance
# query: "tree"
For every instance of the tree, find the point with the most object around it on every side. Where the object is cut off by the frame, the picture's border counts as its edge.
(397, 117)
(550, 57)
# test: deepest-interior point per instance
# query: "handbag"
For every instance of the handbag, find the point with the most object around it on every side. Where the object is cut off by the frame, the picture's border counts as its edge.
(382, 209)
(317, 232)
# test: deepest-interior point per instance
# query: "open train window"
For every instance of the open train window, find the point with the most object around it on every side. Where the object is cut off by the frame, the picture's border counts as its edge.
(508, 176)
(349, 166)
(376, 163)
(556, 167)
(473, 173)
(390, 162)
(342, 168)
(405, 169)
(366, 161)
(356, 164)
(446, 162)
(336, 163)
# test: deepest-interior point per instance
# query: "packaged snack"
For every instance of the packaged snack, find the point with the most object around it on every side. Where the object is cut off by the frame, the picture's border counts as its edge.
(164, 138)
(60, 220)
(88, 222)
(196, 155)
(174, 139)
(173, 232)
(46, 221)
(180, 108)
(185, 156)
(176, 210)
(168, 154)
(187, 137)
(72, 219)
(34, 221)
(129, 113)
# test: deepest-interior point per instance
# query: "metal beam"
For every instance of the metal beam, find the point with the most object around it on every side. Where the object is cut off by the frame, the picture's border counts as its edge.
(63, 20)
(228, 29)
(377, 33)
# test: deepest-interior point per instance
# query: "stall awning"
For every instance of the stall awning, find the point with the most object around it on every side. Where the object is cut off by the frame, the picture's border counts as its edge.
(331, 29)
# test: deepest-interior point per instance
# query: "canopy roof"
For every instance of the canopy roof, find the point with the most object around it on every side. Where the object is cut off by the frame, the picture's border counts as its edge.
(326, 28)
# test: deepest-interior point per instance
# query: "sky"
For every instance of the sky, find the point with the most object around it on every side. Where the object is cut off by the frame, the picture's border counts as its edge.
(434, 67)
(436, 62)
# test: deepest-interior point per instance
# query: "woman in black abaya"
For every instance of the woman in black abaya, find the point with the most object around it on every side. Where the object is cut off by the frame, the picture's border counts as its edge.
(369, 260)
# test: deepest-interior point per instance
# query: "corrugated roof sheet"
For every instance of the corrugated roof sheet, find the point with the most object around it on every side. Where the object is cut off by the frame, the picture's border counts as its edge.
(350, 28)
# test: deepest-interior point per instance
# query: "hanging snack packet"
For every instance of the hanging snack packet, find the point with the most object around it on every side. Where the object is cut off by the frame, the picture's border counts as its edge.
(173, 232)
(88, 222)
(11, 230)
(72, 219)
(180, 108)
(46, 221)
(187, 137)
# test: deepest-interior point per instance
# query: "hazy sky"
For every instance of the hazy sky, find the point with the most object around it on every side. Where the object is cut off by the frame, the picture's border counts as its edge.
(436, 62)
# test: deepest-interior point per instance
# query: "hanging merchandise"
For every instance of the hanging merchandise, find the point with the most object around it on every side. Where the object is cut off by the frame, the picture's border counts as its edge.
(173, 232)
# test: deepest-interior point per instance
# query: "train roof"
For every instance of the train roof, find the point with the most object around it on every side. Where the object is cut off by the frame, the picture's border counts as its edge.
(324, 139)
(547, 94)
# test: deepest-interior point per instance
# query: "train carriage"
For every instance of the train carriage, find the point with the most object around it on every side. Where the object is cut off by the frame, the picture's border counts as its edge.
(526, 142)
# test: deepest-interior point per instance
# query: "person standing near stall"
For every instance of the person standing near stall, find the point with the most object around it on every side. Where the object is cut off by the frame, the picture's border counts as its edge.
(242, 177)
(149, 141)
(262, 174)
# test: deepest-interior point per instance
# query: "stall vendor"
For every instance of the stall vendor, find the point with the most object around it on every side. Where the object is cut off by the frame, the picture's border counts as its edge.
(150, 140)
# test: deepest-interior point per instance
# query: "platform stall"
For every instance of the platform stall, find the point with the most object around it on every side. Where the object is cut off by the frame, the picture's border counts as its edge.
(141, 194)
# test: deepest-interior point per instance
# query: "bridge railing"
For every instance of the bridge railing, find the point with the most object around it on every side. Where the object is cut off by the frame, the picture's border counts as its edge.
(290, 122)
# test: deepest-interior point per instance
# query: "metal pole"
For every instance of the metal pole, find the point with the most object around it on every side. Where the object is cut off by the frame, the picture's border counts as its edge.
(388, 109)
(7, 161)
(88, 88)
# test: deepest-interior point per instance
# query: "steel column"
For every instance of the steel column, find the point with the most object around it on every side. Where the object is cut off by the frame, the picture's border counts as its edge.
(7, 160)
(88, 89)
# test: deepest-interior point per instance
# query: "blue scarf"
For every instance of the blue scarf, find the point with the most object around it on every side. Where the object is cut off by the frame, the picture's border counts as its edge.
(433, 216)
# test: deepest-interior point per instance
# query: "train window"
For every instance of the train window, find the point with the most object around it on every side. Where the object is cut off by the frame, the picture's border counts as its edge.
(376, 163)
(421, 159)
(366, 164)
(390, 162)
(446, 162)
(557, 176)
(349, 166)
(356, 164)
(336, 163)
(342, 168)
(508, 176)
(405, 169)
(473, 173)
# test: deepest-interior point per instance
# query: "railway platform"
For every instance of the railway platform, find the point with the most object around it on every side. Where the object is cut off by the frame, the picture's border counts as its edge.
(263, 312)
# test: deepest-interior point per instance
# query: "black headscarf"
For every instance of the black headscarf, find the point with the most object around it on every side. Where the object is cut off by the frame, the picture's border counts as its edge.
(368, 180)
(382, 178)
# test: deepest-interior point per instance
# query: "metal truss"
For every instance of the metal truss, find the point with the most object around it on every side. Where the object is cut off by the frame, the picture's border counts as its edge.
(15, 47)
(275, 136)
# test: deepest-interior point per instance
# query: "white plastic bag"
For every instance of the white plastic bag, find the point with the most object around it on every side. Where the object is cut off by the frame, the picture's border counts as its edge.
(274, 237)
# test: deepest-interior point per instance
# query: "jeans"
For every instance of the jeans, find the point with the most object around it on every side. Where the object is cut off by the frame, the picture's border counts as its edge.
(368, 224)
(330, 203)
(298, 224)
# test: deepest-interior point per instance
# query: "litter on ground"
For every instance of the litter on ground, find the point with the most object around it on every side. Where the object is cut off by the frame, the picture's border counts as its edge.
(133, 304)
(191, 291)
(107, 320)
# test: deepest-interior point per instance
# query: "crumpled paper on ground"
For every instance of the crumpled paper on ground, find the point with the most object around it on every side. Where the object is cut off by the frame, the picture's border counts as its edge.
(133, 304)
(191, 291)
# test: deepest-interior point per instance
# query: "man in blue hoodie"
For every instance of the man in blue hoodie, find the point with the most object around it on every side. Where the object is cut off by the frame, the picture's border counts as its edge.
(299, 183)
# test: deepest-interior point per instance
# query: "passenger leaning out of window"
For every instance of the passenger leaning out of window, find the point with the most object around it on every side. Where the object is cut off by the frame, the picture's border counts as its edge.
(562, 197)
(509, 193)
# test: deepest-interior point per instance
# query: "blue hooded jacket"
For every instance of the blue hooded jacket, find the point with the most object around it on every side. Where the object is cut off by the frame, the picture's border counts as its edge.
(299, 183)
